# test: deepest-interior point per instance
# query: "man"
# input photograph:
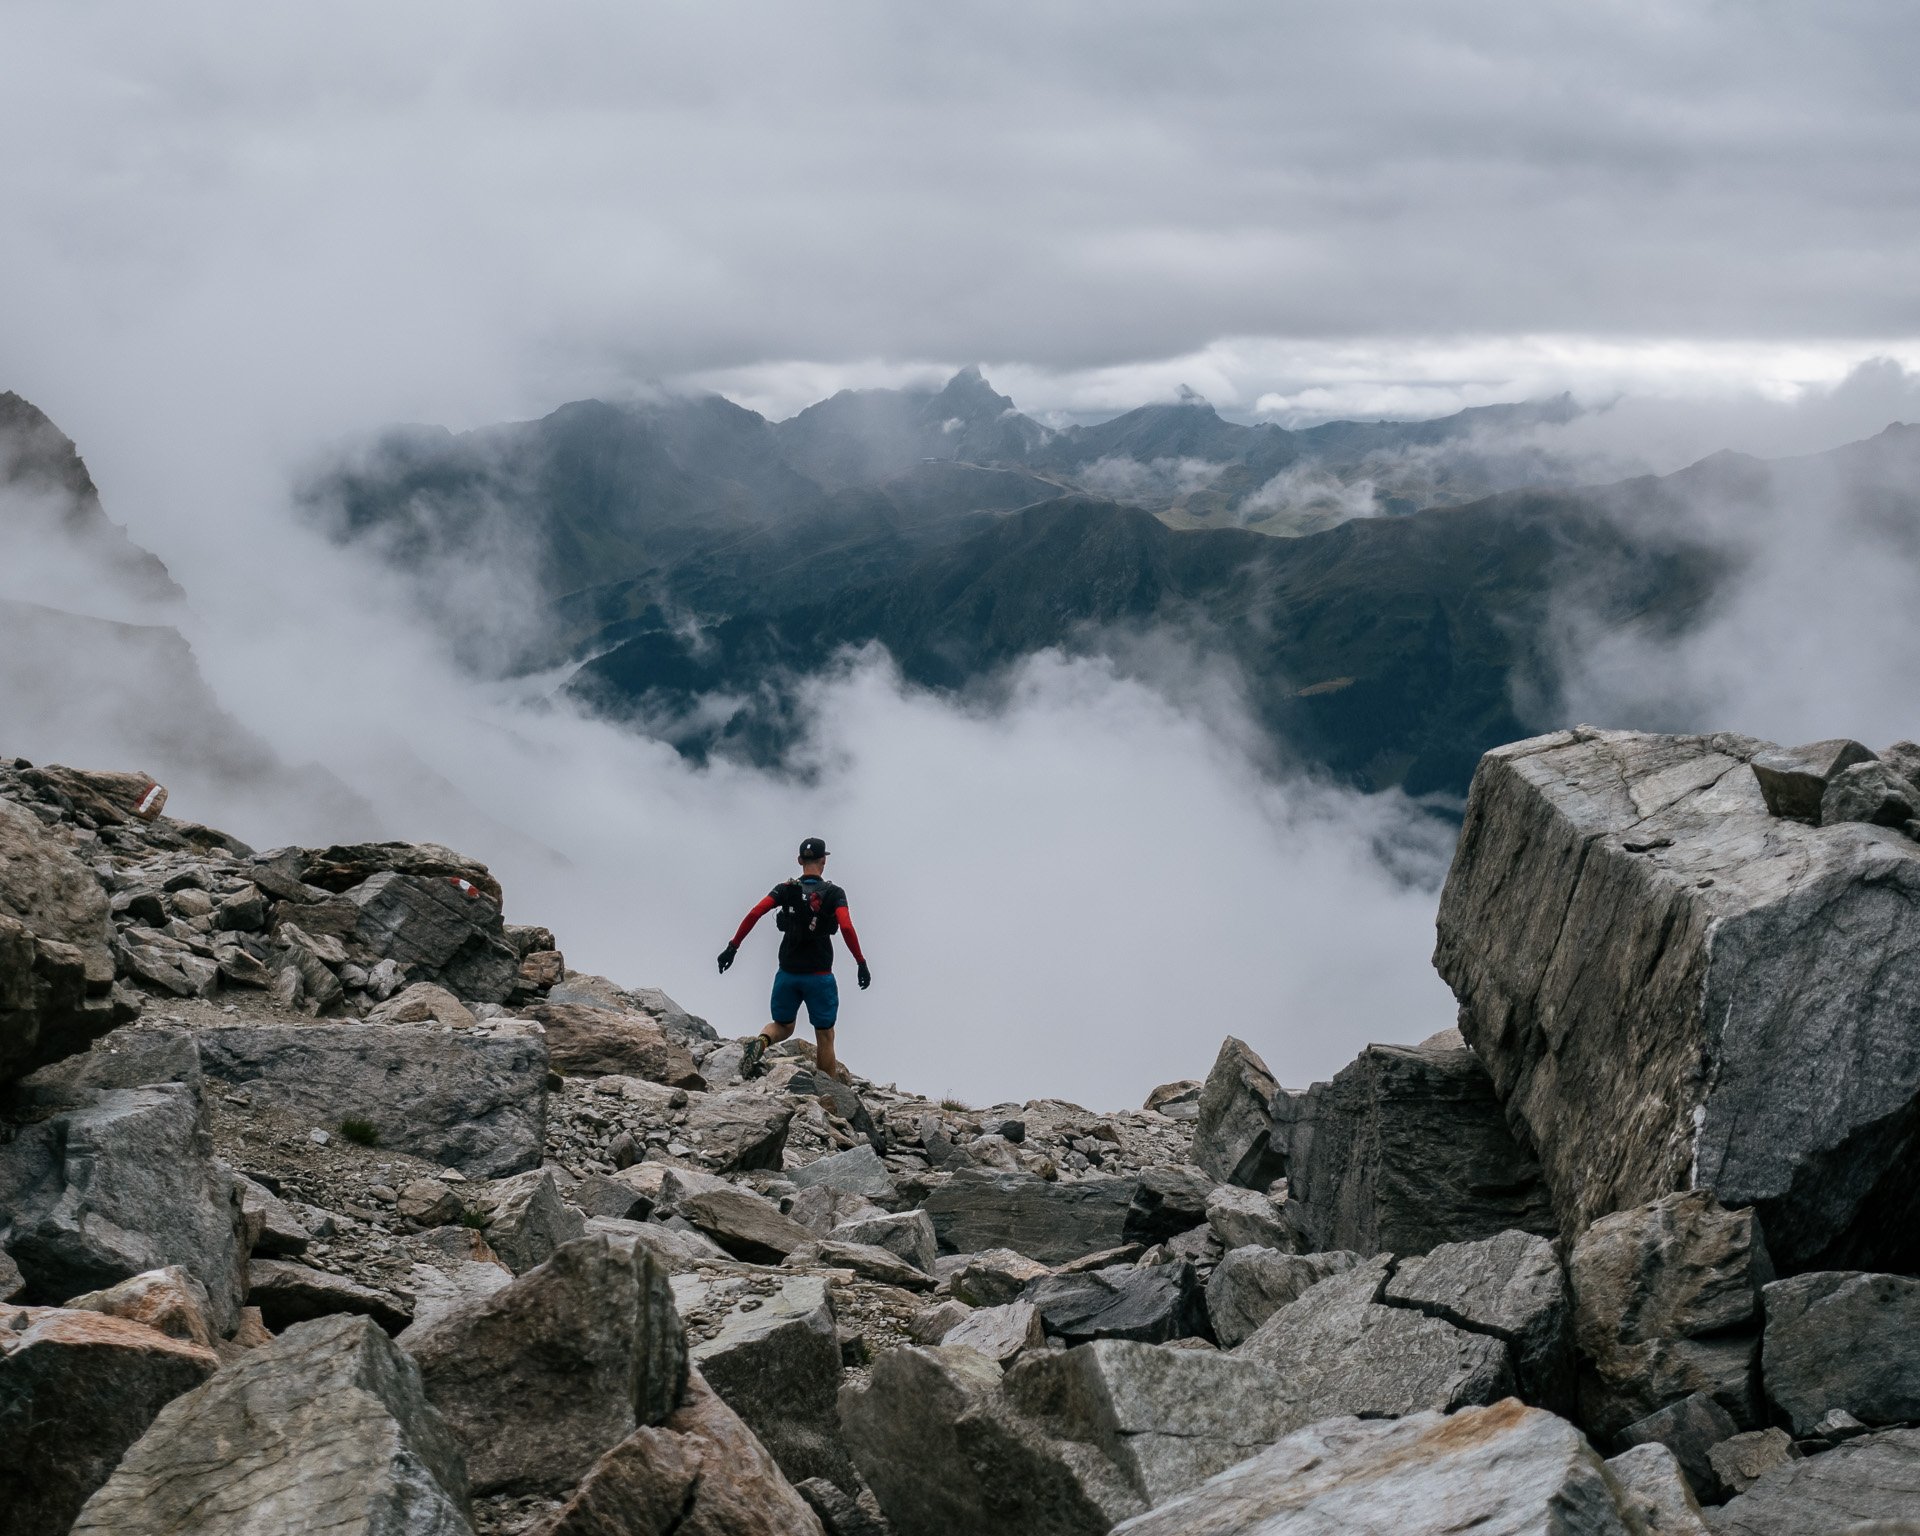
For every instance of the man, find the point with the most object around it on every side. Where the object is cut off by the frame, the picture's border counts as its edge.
(812, 909)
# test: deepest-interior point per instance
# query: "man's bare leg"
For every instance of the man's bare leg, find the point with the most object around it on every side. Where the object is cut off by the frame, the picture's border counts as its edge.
(823, 1052)
(775, 1033)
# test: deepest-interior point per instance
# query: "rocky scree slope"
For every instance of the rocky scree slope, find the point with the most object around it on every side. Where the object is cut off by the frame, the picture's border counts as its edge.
(329, 1200)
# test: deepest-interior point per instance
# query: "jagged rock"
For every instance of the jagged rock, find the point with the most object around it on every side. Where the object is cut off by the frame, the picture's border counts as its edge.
(169, 1301)
(1152, 1305)
(436, 931)
(840, 1513)
(598, 1195)
(1338, 1351)
(1245, 1218)
(546, 1374)
(855, 1172)
(1047, 1221)
(1793, 780)
(245, 911)
(76, 1390)
(1690, 1429)
(1848, 1341)
(1874, 1478)
(906, 1234)
(56, 954)
(1002, 1333)
(820, 1209)
(1177, 1101)
(471, 1100)
(944, 1452)
(1506, 1468)
(526, 1220)
(930, 1325)
(1656, 1490)
(777, 1365)
(1872, 793)
(1405, 1149)
(702, 1473)
(346, 865)
(1666, 1303)
(994, 1278)
(1250, 1284)
(126, 1183)
(287, 1293)
(1233, 1135)
(1169, 1419)
(868, 1262)
(326, 1429)
(594, 1042)
(737, 1133)
(12, 1282)
(1674, 989)
(1167, 1202)
(423, 1003)
(1742, 1460)
(429, 1202)
(1511, 1287)
(747, 1225)
(279, 1231)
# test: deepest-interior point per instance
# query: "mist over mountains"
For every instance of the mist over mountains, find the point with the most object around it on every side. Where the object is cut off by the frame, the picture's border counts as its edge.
(1388, 599)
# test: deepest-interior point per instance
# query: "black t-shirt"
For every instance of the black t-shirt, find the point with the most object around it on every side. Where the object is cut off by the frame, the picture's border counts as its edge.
(809, 907)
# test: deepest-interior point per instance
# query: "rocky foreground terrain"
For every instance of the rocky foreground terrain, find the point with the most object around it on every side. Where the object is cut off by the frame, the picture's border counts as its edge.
(331, 1202)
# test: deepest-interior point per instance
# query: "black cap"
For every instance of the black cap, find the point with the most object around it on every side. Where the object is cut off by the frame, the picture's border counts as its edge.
(812, 848)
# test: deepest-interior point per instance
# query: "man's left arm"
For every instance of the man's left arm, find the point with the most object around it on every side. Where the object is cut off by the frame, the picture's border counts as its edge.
(845, 921)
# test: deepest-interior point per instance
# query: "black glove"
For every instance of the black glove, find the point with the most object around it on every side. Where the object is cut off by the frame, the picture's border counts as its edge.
(726, 958)
(866, 976)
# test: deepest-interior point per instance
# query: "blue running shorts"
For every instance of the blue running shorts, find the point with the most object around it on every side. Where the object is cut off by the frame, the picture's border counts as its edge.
(820, 993)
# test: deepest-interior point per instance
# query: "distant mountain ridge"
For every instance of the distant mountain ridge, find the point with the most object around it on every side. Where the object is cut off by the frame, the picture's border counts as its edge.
(700, 563)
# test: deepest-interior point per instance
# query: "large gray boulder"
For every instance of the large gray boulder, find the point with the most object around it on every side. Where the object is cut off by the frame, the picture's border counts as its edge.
(123, 1184)
(526, 1220)
(1407, 1148)
(857, 1171)
(739, 1132)
(1246, 1218)
(1848, 1341)
(776, 1363)
(1793, 780)
(287, 1292)
(1874, 1478)
(1233, 1136)
(943, 1451)
(76, 1390)
(1666, 1304)
(1689, 1429)
(1512, 1287)
(595, 1042)
(908, 1235)
(1675, 989)
(747, 1225)
(326, 1431)
(1049, 1221)
(474, 1100)
(436, 929)
(1167, 1418)
(545, 1375)
(56, 955)
(1167, 1201)
(1873, 793)
(1250, 1284)
(1508, 1469)
(1337, 1350)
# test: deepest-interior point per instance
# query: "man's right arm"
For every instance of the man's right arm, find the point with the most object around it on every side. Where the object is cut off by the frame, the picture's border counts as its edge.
(761, 908)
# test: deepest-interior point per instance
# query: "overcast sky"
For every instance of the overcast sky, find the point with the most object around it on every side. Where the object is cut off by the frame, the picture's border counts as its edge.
(462, 211)
(229, 234)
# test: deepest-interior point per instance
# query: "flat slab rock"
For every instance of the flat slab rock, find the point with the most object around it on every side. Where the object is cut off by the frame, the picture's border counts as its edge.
(1047, 1221)
(1337, 1351)
(1506, 1470)
(473, 1100)
(1675, 989)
